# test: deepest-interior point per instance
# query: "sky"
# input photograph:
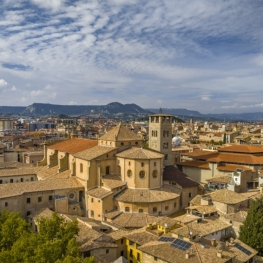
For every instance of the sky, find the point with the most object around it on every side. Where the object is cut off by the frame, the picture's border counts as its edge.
(204, 55)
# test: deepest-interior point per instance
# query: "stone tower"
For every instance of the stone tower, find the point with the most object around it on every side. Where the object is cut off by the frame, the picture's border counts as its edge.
(160, 135)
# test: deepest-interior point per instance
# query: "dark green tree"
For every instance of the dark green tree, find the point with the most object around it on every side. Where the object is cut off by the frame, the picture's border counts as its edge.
(251, 232)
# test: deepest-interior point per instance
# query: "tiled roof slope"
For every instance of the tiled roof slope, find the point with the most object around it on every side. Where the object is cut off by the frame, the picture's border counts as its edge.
(139, 153)
(8, 190)
(241, 149)
(20, 171)
(120, 133)
(93, 152)
(167, 192)
(74, 145)
(227, 197)
(172, 173)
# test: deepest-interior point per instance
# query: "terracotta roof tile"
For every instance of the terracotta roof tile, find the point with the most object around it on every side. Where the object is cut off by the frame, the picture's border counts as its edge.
(74, 145)
(167, 192)
(8, 190)
(227, 197)
(140, 153)
(112, 181)
(201, 165)
(120, 133)
(241, 149)
(94, 152)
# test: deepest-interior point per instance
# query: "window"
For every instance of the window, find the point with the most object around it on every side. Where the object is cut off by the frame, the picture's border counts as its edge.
(107, 169)
(175, 204)
(6, 204)
(28, 213)
(91, 200)
(32, 178)
(155, 210)
(166, 157)
(39, 199)
(91, 213)
(140, 210)
(129, 163)
(1, 181)
(138, 257)
(131, 254)
(131, 243)
(155, 174)
(164, 133)
(155, 258)
(154, 164)
(142, 164)
(50, 198)
(107, 251)
(28, 201)
(166, 208)
(122, 253)
(72, 196)
(81, 168)
(127, 209)
(142, 174)
(136, 143)
(22, 179)
(122, 241)
(129, 173)
(11, 180)
(122, 143)
(190, 195)
(165, 145)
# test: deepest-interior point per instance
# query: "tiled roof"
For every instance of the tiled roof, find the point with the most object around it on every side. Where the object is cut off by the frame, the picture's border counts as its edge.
(241, 149)
(74, 145)
(169, 254)
(227, 197)
(238, 216)
(9, 165)
(99, 192)
(186, 218)
(201, 165)
(20, 171)
(118, 234)
(134, 220)
(205, 226)
(220, 179)
(167, 192)
(172, 173)
(140, 153)
(196, 200)
(52, 173)
(141, 236)
(112, 181)
(8, 190)
(45, 212)
(203, 209)
(94, 152)
(120, 133)
(232, 167)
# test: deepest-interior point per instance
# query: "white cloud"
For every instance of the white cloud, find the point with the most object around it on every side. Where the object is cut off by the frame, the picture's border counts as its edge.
(3, 83)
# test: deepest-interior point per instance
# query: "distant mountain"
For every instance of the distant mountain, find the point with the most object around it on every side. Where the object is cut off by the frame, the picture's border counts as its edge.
(118, 110)
(114, 109)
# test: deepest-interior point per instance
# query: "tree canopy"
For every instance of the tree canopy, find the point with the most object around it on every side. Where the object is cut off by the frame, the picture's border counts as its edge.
(251, 232)
(54, 243)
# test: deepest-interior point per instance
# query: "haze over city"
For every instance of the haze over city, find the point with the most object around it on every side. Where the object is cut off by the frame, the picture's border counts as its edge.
(200, 55)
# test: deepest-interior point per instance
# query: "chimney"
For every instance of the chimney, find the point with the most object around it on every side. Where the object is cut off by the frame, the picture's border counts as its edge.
(187, 255)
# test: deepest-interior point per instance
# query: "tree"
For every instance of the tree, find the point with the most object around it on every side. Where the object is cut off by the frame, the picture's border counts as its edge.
(54, 243)
(251, 232)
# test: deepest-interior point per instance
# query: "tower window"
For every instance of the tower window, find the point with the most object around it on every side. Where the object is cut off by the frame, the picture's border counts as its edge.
(81, 168)
(142, 164)
(165, 145)
(154, 164)
(155, 174)
(142, 174)
(129, 173)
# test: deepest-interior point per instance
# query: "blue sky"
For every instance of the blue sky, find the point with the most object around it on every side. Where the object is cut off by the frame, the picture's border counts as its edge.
(204, 55)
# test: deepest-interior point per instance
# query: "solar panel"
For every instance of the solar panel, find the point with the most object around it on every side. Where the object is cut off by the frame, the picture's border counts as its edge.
(244, 250)
(166, 239)
(180, 244)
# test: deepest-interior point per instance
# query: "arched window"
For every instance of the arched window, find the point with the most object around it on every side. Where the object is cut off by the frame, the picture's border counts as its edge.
(127, 209)
(142, 174)
(155, 174)
(129, 173)
(140, 210)
(81, 168)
